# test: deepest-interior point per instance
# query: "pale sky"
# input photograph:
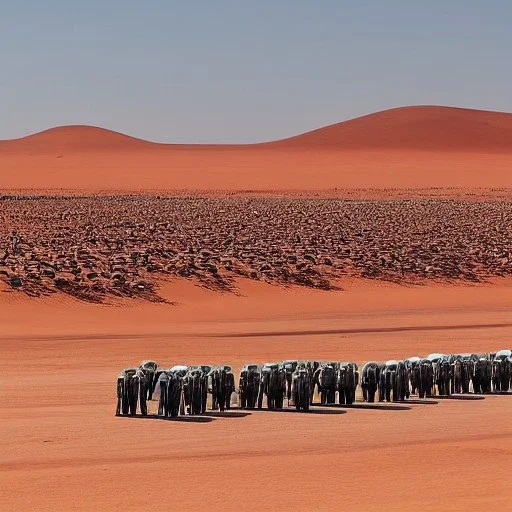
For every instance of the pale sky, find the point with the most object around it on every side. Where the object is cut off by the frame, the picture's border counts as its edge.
(244, 71)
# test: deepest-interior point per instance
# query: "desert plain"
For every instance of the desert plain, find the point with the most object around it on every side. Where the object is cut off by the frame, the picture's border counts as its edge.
(384, 237)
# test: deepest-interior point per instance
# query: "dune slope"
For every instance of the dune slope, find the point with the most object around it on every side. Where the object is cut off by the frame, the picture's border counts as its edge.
(416, 127)
(73, 139)
(409, 147)
(419, 128)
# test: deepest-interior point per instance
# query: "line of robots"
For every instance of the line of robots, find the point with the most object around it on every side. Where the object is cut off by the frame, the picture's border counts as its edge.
(184, 390)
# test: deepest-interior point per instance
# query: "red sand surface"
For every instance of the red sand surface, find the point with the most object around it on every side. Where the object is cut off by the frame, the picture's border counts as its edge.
(61, 448)
(404, 148)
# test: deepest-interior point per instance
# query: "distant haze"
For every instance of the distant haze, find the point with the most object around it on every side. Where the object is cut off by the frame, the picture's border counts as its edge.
(234, 72)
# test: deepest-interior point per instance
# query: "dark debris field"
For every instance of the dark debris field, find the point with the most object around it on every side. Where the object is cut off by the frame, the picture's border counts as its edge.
(95, 247)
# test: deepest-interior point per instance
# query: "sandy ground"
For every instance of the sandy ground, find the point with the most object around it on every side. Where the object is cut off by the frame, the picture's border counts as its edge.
(62, 448)
(254, 169)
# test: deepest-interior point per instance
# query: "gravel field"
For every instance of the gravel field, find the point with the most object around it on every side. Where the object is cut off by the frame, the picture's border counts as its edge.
(94, 247)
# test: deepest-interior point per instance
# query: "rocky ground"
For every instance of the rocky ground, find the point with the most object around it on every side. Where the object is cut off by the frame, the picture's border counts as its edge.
(95, 247)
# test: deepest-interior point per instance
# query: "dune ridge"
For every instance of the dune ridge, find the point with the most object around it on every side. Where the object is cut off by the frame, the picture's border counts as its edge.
(417, 127)
(74, 138)
(413, 127)
(403, 148)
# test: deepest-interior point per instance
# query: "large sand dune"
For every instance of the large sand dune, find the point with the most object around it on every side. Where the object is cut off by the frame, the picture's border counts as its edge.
(419, 128)
(409, 147)
(61, 448)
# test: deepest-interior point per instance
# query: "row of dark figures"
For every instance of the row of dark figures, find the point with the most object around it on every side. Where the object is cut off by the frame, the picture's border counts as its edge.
(437, 374)
(179, 390)
(184, 390)
(297, 382)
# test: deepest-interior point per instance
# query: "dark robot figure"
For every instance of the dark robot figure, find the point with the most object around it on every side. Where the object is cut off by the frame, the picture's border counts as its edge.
(326, 378)
(124, 391)
(273, 385)
(394, 382)
(194, 389)
(482, 375)
(222, 385)
(289, 367)
(149, 368)
(370, 381)
(301, 387)
(249, 385)
(348, 380)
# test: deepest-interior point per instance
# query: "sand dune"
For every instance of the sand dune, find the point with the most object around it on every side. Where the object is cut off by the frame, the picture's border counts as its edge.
(418, 128)
(410, 147)
(73, 139)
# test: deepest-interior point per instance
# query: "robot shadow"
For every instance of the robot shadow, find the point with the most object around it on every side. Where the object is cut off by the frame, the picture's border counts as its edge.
(376, 406)
(226, 414)
(293, 410)
(460, 397)
(187, 419)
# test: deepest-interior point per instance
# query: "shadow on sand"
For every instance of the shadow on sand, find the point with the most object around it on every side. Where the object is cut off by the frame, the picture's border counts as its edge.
(226, 414)
(293, 410)
(369, 406)
(460, 397)
(190, 419)
(420, 401)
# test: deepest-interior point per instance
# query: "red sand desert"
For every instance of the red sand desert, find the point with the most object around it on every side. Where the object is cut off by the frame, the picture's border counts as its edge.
(410, 147)
(63, 449)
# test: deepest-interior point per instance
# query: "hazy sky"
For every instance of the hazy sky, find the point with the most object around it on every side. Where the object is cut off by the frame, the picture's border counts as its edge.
(244, 70)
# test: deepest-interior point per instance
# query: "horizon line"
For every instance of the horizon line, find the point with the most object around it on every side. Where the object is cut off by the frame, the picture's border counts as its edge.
(243, 144)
